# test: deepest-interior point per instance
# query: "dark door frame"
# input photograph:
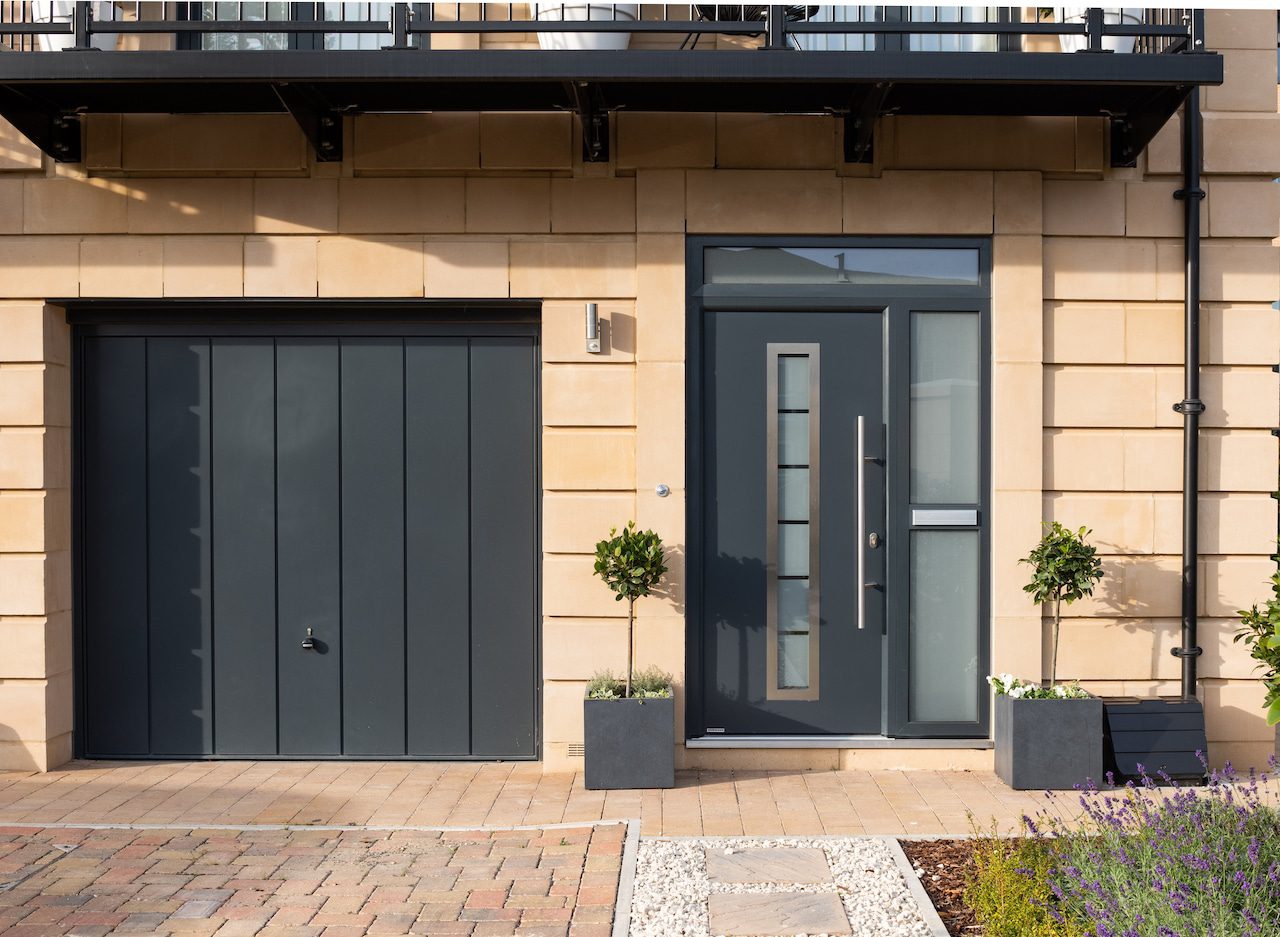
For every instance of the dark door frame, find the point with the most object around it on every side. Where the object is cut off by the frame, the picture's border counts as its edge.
(264, 317)
(898, 302)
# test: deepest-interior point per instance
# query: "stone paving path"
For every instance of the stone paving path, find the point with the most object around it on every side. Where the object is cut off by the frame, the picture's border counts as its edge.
(779, 887)
(559, 882)
(439, 794)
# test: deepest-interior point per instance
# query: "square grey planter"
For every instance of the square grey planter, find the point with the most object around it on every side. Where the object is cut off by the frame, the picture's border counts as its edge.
(1048, 744)
(630, 743)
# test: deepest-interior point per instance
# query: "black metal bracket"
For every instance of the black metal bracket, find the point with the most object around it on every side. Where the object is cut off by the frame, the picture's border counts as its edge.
(588, 104)
(55, 132)
(400, 14)
(1186, 651)
(775, 28)
(80, 15)
(1131, 132)
(1189, 406)
(320, 122)
(860, 123)
(1184, 194)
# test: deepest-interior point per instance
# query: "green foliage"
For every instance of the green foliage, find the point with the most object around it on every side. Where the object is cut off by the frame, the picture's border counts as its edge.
(1260, 632)
(1010, 894)
(631, 563)
(1006, 684)
(647, 684)
(1064, 567)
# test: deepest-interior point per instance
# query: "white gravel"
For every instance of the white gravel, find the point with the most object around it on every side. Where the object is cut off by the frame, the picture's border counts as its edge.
(672, 887)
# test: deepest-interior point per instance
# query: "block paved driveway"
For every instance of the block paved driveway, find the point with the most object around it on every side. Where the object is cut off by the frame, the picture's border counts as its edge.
(560, 881)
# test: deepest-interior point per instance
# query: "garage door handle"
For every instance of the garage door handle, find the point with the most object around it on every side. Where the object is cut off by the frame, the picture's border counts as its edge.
(309, 642)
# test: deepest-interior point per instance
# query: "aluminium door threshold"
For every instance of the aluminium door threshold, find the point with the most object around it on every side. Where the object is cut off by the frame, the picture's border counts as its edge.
(829, 741)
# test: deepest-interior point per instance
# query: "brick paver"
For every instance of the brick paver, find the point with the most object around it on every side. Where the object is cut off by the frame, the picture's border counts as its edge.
(540, 883)
(704, 803)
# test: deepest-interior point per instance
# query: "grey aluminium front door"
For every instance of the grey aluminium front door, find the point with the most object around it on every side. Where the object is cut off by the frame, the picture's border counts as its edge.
(793, 508)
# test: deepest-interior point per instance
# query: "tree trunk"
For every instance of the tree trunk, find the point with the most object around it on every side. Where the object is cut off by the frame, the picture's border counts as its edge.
(1057, 624)
(631, 642)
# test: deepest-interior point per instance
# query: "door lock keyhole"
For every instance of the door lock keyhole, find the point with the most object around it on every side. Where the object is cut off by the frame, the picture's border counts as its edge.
(873, 540)
(309, 642)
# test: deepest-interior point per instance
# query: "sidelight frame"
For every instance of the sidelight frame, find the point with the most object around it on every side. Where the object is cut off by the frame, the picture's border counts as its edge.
(897, 303)
(295, 318)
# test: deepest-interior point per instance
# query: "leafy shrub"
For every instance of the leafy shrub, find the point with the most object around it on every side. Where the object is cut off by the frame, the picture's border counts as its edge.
(1010, 893)
(1170, 863)
(1064, 568)
(1260, 632)
(647, 684)
(632, 564)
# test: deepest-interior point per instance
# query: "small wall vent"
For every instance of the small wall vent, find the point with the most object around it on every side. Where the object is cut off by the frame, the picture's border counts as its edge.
(577, 750)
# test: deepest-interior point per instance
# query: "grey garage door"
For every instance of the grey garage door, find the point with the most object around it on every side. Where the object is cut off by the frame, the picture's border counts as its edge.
(370, 497)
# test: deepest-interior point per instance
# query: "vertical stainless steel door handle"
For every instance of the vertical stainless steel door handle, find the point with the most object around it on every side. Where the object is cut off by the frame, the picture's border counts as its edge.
(860, 539)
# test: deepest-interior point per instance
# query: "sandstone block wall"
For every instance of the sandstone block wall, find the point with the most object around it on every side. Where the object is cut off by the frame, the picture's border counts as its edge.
(1087, 286)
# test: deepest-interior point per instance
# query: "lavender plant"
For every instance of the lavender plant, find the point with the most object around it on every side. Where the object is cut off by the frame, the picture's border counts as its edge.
(1169, 862)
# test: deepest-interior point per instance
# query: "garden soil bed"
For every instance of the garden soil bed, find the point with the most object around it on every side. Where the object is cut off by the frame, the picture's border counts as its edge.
(945, 866)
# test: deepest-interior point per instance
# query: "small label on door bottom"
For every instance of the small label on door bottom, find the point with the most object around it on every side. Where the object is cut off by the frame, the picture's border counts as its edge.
(712, 730)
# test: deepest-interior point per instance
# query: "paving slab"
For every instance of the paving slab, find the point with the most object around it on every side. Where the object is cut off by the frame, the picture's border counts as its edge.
(775, 866)
(776, 914)
(360, 881)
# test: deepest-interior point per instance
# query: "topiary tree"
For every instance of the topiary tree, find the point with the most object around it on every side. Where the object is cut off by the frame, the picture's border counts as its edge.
(1260, 632)
(631, 564)
(1064, 568)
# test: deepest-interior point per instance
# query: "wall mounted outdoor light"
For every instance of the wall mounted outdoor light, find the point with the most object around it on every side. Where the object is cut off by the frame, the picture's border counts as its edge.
(593, 329)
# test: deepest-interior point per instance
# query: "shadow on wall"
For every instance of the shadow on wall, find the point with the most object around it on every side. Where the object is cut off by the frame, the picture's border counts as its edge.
(672, 588)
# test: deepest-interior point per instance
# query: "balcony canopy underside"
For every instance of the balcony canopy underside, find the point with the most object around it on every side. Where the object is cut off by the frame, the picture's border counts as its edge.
(1138, 93)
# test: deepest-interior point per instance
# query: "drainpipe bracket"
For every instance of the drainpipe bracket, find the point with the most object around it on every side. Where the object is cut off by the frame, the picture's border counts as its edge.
(1183, 193)
(1186, 651)
(1189, 406)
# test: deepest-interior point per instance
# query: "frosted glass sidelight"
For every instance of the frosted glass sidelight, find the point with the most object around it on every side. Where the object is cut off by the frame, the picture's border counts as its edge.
(793, 605)
(946, 427)
(793, 439)
(944, 625)
(793, 661)
(793, 494)
(793, 382)
(793, 549)
(793, 419)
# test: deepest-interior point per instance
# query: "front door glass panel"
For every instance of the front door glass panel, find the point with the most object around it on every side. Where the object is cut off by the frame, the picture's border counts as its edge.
(943, 606)
(794, 391)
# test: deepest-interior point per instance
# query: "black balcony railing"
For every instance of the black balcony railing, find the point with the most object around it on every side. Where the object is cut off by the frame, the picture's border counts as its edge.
(271, 26)
(321, 62)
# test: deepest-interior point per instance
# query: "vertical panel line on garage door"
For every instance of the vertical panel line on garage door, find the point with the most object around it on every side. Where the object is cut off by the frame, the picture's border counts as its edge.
(404, 540)
(471, 567)
(342, 659)
(213, 565)
(146, 501)
(275, 503)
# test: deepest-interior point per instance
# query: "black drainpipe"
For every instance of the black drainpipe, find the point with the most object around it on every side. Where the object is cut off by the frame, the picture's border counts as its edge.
(1191, 405)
